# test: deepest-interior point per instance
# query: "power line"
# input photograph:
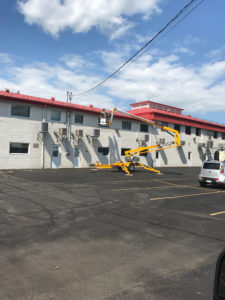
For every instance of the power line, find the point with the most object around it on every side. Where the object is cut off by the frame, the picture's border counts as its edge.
(182, 11)
(170, 29)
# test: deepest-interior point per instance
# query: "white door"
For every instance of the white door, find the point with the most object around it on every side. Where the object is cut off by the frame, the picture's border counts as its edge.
(55, 156)
(77, 157)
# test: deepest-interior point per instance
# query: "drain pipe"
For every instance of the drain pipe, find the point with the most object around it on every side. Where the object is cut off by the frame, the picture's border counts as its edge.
(43, 137)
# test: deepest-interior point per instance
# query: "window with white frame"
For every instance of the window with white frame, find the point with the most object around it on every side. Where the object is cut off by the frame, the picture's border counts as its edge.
(144, 127)
(18, 148)
(55, 115)
(103, 150)
(126, 125)
(79, 118)
(20, 110)
(188, 130)
(123, 150)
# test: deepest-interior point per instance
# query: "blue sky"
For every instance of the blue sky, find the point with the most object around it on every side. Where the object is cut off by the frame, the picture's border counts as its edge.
(50, 47)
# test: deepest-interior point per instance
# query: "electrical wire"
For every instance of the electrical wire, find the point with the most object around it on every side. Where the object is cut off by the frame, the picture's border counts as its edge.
(182, 11)
(171, 28)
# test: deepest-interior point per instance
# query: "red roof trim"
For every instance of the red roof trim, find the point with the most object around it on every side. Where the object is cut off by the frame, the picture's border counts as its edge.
(159, 115)
(57, 104)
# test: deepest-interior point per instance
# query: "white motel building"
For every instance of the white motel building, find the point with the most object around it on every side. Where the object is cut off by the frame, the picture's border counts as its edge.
(43, 133)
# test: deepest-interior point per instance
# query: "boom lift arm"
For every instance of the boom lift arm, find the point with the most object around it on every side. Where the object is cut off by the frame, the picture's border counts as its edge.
(130, 155)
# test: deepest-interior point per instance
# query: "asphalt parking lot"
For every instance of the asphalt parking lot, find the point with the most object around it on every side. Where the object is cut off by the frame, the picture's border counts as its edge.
(80, 234)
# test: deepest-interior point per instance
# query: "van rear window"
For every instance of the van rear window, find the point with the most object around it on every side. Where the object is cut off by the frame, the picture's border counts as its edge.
(211, 166)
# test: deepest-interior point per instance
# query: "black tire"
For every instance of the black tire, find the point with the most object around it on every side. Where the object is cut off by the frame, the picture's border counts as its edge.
(130, 168)
(202, 184)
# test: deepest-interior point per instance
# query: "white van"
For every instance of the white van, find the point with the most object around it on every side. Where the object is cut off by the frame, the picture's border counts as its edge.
(212, 172)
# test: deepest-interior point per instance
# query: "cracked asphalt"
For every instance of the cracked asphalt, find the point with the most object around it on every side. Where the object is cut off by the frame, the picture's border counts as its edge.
(79, 234)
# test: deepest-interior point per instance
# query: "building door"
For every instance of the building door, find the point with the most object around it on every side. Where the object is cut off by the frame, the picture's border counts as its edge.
(157, 164)
(189, 158)
(55, 156)
(77, 157)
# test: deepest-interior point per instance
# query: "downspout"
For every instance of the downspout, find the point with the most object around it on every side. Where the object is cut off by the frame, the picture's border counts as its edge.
(43, 137)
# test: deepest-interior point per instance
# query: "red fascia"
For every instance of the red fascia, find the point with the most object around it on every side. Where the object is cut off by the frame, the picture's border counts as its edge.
(158, 115)
(53, 103)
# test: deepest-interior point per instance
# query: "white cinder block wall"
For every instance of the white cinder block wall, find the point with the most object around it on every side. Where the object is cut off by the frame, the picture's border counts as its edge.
(28, 130)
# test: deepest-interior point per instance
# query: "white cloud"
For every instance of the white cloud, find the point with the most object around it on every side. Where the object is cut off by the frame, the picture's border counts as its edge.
(183, 50)
(43, 80)
(196, 88)
(5, 58)
(216, 54)
(110, 17)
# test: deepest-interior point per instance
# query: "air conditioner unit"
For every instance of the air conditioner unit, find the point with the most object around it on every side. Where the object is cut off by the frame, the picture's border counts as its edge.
(146, 138)
(79, 133)
(209, 144)
(62, 131)
(44, 127)
(143, 138)
(200, 145)
(221, 146)
(95, 133)
(161, 142)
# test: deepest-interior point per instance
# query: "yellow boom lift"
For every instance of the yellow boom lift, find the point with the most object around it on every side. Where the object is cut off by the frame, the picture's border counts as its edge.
(131, 156)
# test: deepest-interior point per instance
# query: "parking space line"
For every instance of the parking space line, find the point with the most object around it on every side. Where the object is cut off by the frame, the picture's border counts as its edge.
(218, 213)
(140, 188)
(183, 196)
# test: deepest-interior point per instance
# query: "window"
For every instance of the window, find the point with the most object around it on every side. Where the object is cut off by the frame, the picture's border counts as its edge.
(103, 150)
(223, 135)
(164, 124)
(177, 127)
(198, 131)
(19, 148)
(144, 154)
(20, 110)
(79, 118)
(215, 134)
(126, 125)
(212, 166)
(123, 150)
(188, 130)
(144, 127)
(55, 115)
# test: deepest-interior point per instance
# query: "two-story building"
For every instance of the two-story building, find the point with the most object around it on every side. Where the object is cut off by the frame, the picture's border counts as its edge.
(45, 133)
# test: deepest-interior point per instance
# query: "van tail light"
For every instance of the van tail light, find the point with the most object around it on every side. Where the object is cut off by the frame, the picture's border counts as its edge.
(217, 178)
(222, 170)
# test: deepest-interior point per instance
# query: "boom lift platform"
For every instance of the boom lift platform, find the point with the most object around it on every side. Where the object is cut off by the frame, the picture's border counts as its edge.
(132, 158)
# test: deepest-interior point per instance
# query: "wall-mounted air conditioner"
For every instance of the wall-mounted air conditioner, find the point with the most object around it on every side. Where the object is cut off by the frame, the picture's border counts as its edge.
(95, 133)
(209, 144)
(222, 146)
(161, 141)
(201, 145)
(79, 133)
(143, 138)
(62, 131)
